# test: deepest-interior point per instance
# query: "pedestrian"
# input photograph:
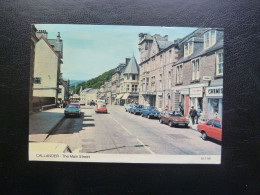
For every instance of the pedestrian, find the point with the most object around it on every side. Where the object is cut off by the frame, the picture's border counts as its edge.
(182, 111)
(58, 103)
(193, 114)
(198, 115)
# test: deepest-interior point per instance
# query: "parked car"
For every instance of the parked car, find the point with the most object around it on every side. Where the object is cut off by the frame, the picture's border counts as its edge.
(173, 118)
(101, 108)
(72, 110)
(136, 109)
(92, 103)
(150, 112)
(128, 106)
(211, 128)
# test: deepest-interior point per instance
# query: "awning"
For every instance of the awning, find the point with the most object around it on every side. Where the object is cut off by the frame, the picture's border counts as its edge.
(119, 96)
(125, 96)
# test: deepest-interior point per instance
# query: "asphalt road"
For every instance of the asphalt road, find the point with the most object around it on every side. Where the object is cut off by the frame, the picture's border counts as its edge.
(119, 132)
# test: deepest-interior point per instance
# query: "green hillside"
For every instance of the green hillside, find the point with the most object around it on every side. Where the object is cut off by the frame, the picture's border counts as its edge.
(96, 82)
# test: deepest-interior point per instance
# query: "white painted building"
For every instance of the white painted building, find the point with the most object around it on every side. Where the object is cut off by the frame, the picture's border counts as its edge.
(48, 54)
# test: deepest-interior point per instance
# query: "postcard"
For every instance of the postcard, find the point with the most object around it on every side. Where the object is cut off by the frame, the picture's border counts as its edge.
(126, 94)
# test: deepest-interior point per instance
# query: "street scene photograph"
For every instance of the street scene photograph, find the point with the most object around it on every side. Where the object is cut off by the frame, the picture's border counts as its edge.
(126, 94)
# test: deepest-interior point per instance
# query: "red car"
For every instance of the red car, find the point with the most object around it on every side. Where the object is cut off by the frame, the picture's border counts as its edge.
(211, 128)
(173, 118)
(101, 108)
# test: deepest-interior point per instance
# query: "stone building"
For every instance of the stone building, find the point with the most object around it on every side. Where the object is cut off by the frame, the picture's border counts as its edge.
(157, 55)
(198, 74)
(48, 59)
(89, 94)
(115, 82)
(129, 81)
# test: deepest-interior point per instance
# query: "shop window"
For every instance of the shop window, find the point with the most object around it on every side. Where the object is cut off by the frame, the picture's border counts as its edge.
(219, 63)
(217, 124)
(37, 80)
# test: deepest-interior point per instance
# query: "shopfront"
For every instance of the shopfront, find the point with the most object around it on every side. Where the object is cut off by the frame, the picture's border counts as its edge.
(196, 98)
(214, 97)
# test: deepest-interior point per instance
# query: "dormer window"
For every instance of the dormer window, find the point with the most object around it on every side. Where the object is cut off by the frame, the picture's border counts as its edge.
(209, 38)
(189, 47)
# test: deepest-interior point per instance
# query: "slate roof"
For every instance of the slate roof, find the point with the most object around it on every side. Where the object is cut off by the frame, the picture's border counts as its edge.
(58, 45)
(164, 44)
(200, 51)
(132, 67)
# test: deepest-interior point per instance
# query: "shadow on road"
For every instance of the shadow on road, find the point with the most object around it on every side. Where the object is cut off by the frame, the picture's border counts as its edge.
(137, 146)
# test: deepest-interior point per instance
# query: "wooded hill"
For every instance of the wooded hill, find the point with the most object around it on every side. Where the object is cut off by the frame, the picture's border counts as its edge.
(94, 83)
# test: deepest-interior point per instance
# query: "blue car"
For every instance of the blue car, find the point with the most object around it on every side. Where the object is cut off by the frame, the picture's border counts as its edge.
(150, 112)
(136, 109)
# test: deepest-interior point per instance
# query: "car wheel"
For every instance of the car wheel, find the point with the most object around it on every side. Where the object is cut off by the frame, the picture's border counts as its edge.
(161, 121)
(170, 124)
(204, 135)
(149, 117)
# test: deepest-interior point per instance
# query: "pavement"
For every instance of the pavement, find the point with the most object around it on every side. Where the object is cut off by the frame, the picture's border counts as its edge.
(42, 123)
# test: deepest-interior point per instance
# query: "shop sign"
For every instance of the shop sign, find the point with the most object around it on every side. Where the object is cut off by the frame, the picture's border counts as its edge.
(214, 91)
(185, 92)
(196, 92)
(206, 78)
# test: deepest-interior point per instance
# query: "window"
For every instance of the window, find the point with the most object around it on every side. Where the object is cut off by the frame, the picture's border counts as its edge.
(188, 47)
(59, 90)
(133, 77)
(37, 80)
(217, 124)
(169, 79)
(134, 88)
(210, 123)
(209, 38)
(147, 83)
(153, 83)
(195, 70)
(179, 74)
(219, 63)
(127, 88)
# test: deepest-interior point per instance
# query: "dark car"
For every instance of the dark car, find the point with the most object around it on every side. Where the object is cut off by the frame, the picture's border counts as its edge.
(173, 118)
(92, 103)
(72, 110)
(150, 112)
(136, 109)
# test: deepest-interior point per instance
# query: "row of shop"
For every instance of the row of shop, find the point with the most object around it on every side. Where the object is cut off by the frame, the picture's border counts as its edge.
(207, 98)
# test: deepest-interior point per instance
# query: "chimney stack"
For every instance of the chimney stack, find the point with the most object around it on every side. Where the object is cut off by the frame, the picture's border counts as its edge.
(58, 37)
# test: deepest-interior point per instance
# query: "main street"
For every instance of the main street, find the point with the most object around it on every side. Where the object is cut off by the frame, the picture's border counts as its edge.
(119, 132)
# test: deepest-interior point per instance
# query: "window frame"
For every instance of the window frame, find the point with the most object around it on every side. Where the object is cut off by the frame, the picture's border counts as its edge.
(39, 79)
(209, 39)
(195, 69)
(218, 63)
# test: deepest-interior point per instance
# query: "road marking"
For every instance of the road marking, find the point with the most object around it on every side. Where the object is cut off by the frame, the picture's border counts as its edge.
(126, 130)
(116, 121)
(145, 146)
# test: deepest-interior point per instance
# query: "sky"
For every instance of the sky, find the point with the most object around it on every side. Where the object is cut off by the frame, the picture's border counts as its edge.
(90, 50)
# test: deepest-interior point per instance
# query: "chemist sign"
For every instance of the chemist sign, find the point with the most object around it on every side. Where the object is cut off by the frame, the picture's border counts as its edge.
(214, 91)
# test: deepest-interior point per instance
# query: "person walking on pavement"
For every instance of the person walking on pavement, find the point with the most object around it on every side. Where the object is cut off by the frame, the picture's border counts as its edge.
(193, 113)
(198, 115)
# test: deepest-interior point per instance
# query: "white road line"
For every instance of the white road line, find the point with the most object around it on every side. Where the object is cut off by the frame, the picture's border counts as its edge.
(145, 146)
(126, 130)
(132, 134)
